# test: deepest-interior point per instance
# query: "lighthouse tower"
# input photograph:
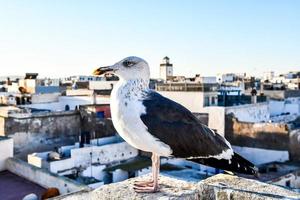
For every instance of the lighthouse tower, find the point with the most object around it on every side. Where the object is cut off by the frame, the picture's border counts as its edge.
(166, 69)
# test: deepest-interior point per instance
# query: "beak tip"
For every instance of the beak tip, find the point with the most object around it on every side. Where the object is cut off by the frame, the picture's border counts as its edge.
(97, 72)
(102, 70)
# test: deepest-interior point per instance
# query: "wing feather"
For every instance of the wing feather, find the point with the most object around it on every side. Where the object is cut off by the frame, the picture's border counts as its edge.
(177, 127)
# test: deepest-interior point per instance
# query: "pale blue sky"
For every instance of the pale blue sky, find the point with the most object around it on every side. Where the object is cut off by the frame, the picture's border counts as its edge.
(68, 37)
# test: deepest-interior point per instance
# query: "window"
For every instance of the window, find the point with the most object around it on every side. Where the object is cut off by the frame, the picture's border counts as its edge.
(206, 101)
(288, 183)
(213, 101)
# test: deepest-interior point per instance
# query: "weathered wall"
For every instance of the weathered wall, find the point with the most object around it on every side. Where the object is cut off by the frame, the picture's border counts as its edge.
(273, 136)
(98, 127)
(281, 94)
(247, 113)
(235, 188)
(293, 178)
(257, 135)
(6, 151)
(41, 131)
(251, 112)
(261, 156)
(43, 177)
(275, 94)
(295, 144)
(44, 98)
(83, 157)
(203, 117)
(290, 105)
(71, 101)
(103, 154)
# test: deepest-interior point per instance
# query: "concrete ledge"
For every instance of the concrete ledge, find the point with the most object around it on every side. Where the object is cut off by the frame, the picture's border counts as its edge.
(43, 177)
(42, 114)
(220, 187)
(170, 189)
(231, 187)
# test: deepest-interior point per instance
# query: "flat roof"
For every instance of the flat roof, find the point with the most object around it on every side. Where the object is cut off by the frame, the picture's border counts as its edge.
(15, 187)
(4, 138)
(132, 164)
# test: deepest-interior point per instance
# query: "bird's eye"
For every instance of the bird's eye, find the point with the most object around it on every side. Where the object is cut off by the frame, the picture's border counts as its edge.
(128, 63)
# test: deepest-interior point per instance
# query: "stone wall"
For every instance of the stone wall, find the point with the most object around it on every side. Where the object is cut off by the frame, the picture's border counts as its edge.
(250, 112)
(295, 144)
(256, 135)
(98, 127)
(245, 113)
(221, 186)
(44, 98)
(273, 136)
(281, 94)
(41, 131)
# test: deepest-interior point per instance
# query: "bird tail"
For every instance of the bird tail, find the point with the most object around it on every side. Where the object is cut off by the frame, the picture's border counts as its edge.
(237, 164)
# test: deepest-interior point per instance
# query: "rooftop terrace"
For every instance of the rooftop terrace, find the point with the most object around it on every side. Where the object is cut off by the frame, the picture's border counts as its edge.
(15, 187)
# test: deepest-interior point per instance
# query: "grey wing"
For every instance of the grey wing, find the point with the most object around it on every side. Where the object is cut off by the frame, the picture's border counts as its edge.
(177, 127)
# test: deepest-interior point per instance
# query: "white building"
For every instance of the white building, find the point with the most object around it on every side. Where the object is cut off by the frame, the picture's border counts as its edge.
(6, 150)
(102, 85)
(221, 78)
(268, 75)
(83, 78)
(61, 102)
(247, 113)
(89, 161)
(195, 101)
(166, 69)
(285, 110)
(7, 98)
(206, 79)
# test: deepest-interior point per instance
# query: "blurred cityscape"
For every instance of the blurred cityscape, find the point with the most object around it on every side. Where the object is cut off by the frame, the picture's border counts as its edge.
(58, 132)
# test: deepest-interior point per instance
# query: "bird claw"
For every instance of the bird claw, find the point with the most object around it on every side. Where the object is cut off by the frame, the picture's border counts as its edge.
(141, 184)
(146, 189)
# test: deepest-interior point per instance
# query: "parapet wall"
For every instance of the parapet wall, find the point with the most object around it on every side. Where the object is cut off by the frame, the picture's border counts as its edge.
(221, 187)
(33, 132)
(295, 144)
(256, 135)
(6, 151)
(272, 136)
(43, 177)
(250, 112)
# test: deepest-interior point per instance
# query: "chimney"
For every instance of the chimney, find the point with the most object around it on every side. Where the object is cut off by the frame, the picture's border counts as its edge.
(94, 98)
(253, 96)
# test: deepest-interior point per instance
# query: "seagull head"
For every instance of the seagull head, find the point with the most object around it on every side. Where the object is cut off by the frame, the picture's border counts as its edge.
(128, 69)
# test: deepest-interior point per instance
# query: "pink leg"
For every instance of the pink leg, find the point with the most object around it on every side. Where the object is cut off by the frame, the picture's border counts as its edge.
(150, 186)
(146, 183)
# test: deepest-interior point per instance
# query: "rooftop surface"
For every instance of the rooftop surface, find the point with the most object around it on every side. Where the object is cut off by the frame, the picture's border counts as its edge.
(13, 187)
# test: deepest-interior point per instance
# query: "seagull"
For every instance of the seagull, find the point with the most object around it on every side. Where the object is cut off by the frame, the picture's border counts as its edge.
(153, 123)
